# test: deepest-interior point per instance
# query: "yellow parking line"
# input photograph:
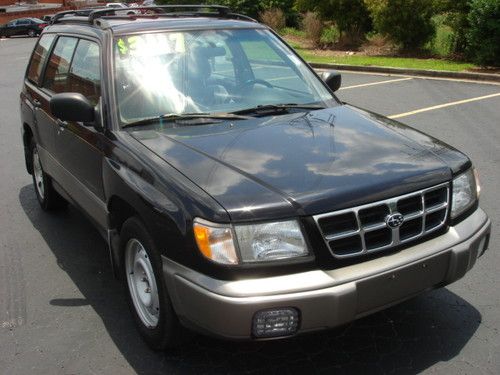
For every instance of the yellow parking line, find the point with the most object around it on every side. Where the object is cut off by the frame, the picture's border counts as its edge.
(376, 83)
(444, 105)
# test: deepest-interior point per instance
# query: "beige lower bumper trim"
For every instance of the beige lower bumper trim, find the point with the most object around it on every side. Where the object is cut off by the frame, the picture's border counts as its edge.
(326, 299)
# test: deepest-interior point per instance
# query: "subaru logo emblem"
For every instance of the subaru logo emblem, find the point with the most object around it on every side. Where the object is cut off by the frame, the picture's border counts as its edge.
(394, 220)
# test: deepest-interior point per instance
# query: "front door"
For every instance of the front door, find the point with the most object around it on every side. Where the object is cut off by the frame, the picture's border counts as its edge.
(74, 66)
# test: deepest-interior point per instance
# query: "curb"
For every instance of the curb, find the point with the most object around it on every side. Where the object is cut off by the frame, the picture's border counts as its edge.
(415, 72)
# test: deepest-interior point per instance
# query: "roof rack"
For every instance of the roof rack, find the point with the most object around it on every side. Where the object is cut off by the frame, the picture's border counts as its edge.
(78, 12)
(173, 11)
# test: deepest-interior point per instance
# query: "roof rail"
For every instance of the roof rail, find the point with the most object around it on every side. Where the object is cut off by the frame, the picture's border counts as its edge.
(76, 12)
(154, 11)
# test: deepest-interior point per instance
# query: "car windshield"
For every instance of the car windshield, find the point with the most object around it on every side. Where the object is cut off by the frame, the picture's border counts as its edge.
(210, 71)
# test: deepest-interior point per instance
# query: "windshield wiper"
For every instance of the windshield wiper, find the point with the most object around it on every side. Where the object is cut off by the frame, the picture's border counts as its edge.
(173, 117)
(271, 108)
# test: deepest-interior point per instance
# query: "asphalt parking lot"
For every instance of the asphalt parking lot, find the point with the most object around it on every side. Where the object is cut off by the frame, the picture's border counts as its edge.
(61, 312)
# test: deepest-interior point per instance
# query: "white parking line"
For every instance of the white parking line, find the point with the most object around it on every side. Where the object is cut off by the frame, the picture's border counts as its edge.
(375, 83)
(444, 105)
(355, 72)
(280, 78)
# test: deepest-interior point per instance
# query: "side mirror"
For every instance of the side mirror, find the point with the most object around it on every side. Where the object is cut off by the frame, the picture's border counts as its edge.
(332, 78)
(72, 106)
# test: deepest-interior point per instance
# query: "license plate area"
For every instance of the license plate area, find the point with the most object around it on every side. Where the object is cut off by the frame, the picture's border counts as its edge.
(393, 286)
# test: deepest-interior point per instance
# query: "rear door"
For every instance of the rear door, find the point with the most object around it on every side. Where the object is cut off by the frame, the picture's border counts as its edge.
(34, 102)
(56, 71)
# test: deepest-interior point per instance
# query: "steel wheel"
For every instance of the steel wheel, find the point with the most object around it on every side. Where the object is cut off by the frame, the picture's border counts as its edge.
(38, 174)
(142, 283)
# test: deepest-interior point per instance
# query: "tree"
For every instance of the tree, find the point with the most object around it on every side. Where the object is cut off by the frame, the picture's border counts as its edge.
(407, 22)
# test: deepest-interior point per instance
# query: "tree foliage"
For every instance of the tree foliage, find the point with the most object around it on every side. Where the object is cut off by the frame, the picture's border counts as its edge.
(406, 22)
(251, 8)
(483, 36)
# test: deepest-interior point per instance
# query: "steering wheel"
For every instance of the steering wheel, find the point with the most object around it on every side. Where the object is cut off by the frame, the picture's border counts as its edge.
(257, 81)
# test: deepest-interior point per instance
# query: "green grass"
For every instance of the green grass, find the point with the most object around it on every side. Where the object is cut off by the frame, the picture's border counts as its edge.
(396, 62)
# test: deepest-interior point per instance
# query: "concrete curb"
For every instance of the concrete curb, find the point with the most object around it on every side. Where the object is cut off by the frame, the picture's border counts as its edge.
(414, 72)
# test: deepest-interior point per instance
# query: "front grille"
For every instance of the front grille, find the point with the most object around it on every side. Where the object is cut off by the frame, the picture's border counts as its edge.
(364, 229)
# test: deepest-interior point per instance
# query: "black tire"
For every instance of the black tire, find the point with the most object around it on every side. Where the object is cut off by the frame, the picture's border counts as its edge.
(48, 198)
(168, 332)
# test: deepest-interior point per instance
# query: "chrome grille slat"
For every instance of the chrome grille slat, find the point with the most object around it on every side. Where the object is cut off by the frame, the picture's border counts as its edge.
(377, 235)
(414, 215)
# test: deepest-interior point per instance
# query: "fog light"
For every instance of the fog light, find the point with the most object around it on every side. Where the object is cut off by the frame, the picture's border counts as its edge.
(275, 322)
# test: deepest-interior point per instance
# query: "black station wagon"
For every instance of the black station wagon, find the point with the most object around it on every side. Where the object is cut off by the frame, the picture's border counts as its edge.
(238, 196)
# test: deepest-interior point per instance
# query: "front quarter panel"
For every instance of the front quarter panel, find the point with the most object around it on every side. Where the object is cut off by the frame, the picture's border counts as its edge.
(164, 199)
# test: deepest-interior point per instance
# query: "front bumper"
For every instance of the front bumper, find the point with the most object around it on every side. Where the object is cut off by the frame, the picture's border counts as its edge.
(327, 299)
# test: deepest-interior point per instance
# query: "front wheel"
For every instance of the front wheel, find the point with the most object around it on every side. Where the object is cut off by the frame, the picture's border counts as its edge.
(146, 291)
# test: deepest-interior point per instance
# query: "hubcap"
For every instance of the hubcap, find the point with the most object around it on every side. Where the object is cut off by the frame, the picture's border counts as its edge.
(38, 174)
(142, 283)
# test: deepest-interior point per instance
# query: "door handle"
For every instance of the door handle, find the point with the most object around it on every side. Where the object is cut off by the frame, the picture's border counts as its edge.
(37, 103)
(62, 124)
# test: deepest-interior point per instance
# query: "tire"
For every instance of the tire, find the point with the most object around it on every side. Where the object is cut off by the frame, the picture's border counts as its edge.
(145, 288)
(48, 198)
(31, 33)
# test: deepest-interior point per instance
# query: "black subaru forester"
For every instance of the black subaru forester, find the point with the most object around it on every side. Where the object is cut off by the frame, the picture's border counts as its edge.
(238, 196)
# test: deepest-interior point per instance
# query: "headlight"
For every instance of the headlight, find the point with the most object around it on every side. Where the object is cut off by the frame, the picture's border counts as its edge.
(270, 241)
(256, 242)
(465, 192)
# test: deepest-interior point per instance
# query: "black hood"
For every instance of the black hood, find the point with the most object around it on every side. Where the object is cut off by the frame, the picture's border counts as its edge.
(302, 163)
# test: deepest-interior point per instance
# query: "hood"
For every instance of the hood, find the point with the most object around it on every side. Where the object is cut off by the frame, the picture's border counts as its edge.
(301, 163)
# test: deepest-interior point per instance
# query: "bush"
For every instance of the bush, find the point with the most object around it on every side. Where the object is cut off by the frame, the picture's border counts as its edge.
(407, 22)
(274, 18)
(454, 13)
(330, 36)
(351, 16)
(483, 37)
(293, 32)
(313, 26)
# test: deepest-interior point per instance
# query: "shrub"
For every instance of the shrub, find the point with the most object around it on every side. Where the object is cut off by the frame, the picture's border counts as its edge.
(313, 26)
(293, 32)
(454, 13)
(351, 16)
(330, 36)
(274, 18)
(483, 37)
(407, 22)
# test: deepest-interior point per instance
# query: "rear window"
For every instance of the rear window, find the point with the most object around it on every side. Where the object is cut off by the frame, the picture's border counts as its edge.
(39, 57)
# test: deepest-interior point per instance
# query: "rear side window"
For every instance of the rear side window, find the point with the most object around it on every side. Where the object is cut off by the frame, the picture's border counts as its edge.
(39, 57)
(85, 73)
(56, 74)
